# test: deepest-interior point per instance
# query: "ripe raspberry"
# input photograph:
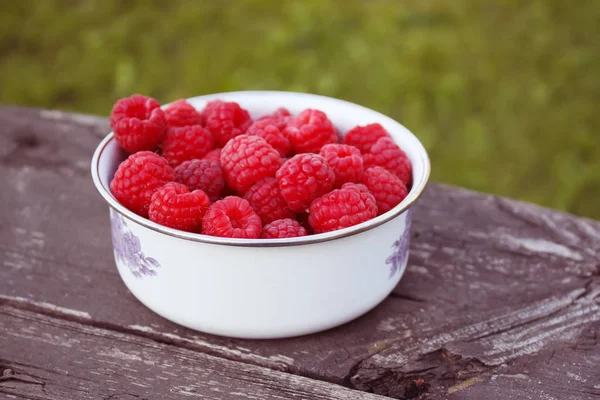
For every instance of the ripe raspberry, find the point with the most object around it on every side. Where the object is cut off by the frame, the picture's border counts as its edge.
(346, 162)
(364, 137)
(385, 153)
(265, 198)
(186, 143)
(173, 205)
(232, 217)
(208, 109)
(303, 178)
(137, 178)
(182, 113)
(138, 122)
(227, 120)
(214, 155)
(267, 129)
(281, 116)
(283, 228)
(341, 208)
(386, 187)
(248, 159)
(309, 131)
(205, 175)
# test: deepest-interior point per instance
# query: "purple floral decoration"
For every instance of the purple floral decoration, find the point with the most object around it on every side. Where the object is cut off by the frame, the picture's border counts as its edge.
(128, 249)
(400, 255)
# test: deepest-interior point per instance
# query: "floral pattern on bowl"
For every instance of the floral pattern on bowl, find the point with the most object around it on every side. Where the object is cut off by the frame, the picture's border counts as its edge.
(399, 256)
(128, 249)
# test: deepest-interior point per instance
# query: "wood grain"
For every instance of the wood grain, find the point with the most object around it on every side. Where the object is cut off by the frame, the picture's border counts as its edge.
(491, 282)
(49, 358)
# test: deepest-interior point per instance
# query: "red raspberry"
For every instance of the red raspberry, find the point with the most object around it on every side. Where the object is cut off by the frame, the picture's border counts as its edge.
(267, 129)
(364, 137)
(138, 122)
(303, 178)
(137, 178)
(232, 217)
(214, 155)
(205, 175)
(186, 143)
(386, 187)
(208, 109)
(346, 162)
(281, 116)
(173, 205)
(265, 198)
(341, 208)
(309, 131)
(283, 228)
(248, 159)
(387, 154)
(227, 120)
(182, 113)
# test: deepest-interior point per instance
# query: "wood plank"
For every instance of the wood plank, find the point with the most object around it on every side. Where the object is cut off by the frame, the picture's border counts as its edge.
(483, 270)
(49, 358)
(556, 373)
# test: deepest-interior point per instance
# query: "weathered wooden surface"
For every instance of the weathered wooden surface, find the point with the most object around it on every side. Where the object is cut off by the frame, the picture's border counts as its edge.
(494, 286)
(84, 362)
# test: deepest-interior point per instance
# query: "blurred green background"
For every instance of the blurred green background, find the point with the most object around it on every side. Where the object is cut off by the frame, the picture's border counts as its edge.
(505, 94)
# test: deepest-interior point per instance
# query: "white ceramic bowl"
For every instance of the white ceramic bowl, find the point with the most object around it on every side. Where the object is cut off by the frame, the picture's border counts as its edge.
(256, 288)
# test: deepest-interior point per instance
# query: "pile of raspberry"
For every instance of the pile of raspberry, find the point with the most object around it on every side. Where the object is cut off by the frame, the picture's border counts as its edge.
(218, 172)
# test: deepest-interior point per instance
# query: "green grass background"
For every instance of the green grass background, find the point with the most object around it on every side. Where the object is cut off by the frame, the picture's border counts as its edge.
(504, 94)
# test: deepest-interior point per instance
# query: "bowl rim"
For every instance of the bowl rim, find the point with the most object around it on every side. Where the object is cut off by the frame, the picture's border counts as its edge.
(415, 192)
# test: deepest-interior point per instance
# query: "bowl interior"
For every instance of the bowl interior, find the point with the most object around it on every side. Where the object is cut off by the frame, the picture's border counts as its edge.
(344, 116)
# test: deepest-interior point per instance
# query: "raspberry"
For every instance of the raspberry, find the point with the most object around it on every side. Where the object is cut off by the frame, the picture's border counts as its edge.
(267, 129)
(303, 178)
(186, 143)
(208, 109)
(346, 162)
(137, 178)
(386, 187)
(309, 131)
(173, 205)
(385, 153)
(227, 120)
(138, 122)
(281, 116)
(248, 159)
(341, 208)
(232, 217)
(182, 113)
(283, 228)
(265, 198)
(205, 175)
(214, 155)
(364, 137)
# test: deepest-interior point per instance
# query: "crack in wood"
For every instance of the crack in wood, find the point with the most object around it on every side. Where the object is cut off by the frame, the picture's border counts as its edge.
(107, 361)
(123, 396)
(75, 316)
(450, 364)
(9, 374)
(433, 368)
(407, 297)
